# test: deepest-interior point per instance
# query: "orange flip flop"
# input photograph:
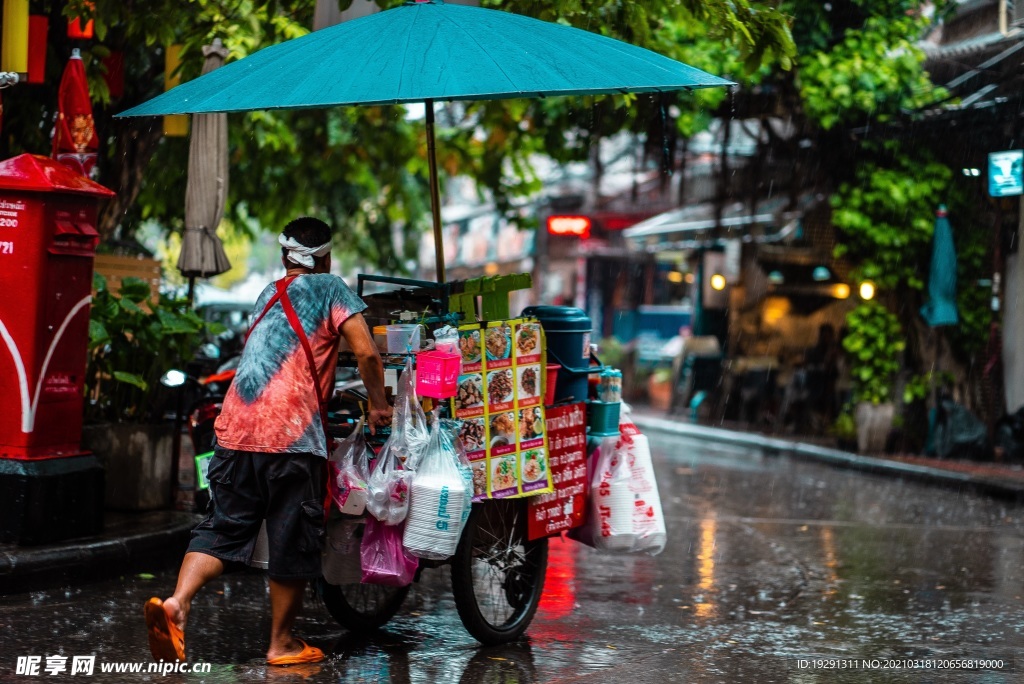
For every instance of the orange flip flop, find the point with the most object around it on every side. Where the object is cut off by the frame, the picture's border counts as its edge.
(308, 654)
(166, 640)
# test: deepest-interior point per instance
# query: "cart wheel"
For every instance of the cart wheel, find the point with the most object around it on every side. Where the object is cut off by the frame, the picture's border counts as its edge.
(497, 575)
(361, 607)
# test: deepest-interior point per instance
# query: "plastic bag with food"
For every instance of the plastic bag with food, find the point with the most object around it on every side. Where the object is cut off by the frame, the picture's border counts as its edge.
(346, 468)
(439, 498)
(388, 485)
(409, 429)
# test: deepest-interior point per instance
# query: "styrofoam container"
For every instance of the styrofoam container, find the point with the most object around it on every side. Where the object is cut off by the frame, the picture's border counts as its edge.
(434, 523)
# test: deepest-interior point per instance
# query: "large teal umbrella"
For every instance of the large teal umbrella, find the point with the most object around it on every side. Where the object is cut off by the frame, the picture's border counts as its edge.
(940, 309)
(427, 51)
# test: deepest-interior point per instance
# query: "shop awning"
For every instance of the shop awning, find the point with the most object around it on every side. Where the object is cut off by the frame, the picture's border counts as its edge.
(697, 227)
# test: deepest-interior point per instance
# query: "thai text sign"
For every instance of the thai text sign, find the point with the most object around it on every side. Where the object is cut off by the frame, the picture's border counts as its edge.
(565, 508)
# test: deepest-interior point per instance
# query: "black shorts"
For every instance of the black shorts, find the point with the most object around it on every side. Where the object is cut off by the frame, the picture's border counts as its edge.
(285, 489)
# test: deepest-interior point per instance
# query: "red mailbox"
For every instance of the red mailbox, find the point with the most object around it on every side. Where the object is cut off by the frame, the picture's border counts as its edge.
(47, 242)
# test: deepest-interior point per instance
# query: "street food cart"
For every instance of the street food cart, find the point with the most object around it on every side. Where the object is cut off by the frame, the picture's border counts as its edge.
(527, 455)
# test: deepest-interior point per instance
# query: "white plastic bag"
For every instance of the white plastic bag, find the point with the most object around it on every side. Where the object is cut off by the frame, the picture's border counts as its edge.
(439, 498)
(611, 500)
(409, 429)
(347, 479)
(649, 534)
(388, 486)
(392, 473)
(624, 509)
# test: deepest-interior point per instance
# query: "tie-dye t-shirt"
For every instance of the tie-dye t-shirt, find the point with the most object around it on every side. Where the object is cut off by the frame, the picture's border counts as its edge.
(271, 405)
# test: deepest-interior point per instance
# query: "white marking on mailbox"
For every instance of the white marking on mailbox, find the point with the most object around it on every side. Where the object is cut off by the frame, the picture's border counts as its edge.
(29, 404)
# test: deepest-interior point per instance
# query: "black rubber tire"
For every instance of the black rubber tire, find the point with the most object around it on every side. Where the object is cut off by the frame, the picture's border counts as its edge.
(361, 607)
(497, 575)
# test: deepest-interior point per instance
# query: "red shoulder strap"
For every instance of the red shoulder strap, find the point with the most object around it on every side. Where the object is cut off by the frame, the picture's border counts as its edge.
(293, 318)
(273, 300)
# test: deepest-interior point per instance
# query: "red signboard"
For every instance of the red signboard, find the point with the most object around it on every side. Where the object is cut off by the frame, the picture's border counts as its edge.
(567, 443)
(572, 226)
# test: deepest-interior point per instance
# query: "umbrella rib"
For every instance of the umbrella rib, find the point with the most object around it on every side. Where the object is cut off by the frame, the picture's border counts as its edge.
(405, 52)
(469, 33)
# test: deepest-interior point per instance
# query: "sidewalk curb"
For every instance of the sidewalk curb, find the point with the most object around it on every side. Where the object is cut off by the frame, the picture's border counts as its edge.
(45, 567)
(834, 457)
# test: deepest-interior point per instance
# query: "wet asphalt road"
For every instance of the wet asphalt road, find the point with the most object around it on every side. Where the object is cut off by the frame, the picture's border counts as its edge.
(769, 561)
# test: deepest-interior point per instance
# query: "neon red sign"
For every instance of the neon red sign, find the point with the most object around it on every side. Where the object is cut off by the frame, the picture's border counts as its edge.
(571, 226)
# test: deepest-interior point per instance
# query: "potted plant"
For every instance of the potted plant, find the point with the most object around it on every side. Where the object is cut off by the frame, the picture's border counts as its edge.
(844, 429)
(874, 344)
(134, 338)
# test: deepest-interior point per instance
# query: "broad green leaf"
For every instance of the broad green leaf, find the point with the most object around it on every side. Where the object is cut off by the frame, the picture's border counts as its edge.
(131, 379)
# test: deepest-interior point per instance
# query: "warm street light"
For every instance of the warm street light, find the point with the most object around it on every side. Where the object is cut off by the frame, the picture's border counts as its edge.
(718, 282)
(867, 290)
(675, 277)
(841, 291)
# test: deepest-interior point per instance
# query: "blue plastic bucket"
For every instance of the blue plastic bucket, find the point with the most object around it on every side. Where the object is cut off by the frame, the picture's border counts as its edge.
(567, 331)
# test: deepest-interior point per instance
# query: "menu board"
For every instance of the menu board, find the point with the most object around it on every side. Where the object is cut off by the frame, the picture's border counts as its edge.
(500, 401)
(566, 507)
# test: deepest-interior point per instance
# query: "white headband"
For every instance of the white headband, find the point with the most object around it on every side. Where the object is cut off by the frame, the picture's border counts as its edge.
(300, 253)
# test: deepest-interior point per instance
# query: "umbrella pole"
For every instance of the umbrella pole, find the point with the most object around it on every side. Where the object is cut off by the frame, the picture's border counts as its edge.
(435, 192)
(191, 290)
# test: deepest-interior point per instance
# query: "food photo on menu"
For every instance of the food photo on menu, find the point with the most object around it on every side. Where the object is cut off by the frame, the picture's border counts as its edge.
(503, 429)
(472, 434)
(504, 478)
(469, 346)
(470, 392)
(529, 381)
(527, 339)
(531, 424)
(499, 386)
(479, 479)
(535, 467)
(499, 346)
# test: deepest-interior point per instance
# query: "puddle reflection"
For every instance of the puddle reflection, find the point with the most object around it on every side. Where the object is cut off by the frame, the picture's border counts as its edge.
(704, 607)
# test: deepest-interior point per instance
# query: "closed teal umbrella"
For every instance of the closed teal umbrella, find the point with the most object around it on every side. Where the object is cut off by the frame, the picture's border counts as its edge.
(427, 51)
(940, 308)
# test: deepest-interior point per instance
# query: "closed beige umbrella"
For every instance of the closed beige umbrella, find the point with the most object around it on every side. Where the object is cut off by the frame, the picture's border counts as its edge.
(202, 253)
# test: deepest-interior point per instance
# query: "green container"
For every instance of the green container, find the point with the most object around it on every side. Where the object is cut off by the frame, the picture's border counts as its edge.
(603, 418)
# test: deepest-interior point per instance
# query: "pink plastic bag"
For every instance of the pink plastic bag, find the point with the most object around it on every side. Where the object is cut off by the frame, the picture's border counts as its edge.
(384, 559)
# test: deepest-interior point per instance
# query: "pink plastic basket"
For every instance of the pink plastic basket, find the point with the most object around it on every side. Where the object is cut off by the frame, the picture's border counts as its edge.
(437, 374)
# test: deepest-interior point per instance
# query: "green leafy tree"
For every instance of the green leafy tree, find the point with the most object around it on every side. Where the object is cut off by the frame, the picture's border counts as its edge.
(873, 74)
(887, 217)
(363, 168)
(875, 343)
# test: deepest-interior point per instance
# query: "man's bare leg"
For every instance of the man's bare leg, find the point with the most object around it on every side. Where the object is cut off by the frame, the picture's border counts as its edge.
(285, 603)
(196, 570)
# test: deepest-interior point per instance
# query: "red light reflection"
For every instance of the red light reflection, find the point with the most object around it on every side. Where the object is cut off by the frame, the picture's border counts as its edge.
(560, 585)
